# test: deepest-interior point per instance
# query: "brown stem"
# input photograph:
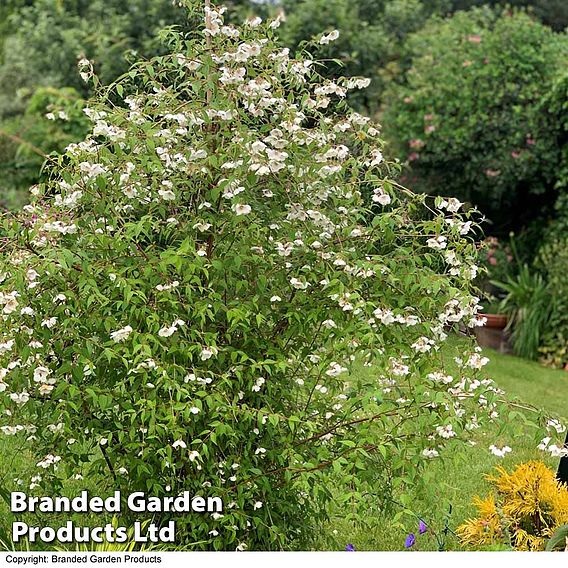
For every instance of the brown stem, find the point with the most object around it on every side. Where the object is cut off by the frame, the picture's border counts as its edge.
(108, 462)
(19, 140)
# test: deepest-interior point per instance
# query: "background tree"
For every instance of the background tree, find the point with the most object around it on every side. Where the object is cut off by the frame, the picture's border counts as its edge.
(553, 13)
(467, 114)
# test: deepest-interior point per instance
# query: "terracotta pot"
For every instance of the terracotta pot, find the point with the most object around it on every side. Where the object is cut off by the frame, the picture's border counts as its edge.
(493, 334)
(495, 321)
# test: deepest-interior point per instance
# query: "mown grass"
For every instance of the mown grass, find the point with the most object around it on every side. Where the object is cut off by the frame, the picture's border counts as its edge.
(449, 483)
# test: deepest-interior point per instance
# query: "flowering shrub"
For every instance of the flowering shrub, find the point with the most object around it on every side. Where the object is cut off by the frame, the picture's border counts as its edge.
(186, 295)
(467, 116)
(529, 505)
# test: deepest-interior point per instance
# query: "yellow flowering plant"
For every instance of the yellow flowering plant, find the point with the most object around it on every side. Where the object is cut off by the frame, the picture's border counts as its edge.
(529, 504)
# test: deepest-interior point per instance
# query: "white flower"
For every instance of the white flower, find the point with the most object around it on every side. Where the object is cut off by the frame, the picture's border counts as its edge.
(168, 331)
(422, 345)
(121, 334)
(557, 452)
(49, 323)
(544, 443)
(328, 38)
(275, 299)
(208, 352)
(41, 374)
(20, 398)
(179, 444)
(398, 369)
(377, 157)
(6, 346)
(241, 209)
(476, 361)
(554, 424)
(258, 384)
(437, 243)
(48, 461)
(257, 505)
(335, 369)
(193, 455)
(430, 453)
(446, 432)
(439, 377)
(45, 388)
(194, 410)
(499, 452)
(382, 198)
(453, 205)
(167, 194)
(201, 226)
(298, 284)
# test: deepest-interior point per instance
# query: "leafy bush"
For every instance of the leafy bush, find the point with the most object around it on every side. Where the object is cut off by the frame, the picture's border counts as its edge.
(185, 296)
(528, 305)
(528, 505)
(467, 116)
(553, 13)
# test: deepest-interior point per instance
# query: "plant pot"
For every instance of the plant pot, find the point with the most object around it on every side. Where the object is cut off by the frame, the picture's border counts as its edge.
(495, 321)
(492, 334)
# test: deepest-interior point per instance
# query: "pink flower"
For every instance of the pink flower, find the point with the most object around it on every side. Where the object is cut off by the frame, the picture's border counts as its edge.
(474, 38)
(466, 63)
(416, 143)
(413, 156)
(515, 154)
(429, 129)
(530, 141)
(492, 261)
(407, 100)
(492, 173)
(428, 117)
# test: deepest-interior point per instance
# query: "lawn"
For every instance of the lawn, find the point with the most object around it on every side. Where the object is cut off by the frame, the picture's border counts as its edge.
(450, 483)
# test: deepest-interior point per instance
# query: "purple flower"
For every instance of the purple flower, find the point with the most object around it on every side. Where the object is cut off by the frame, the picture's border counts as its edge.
(422, 527)
(410, 540)
(350, 548)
